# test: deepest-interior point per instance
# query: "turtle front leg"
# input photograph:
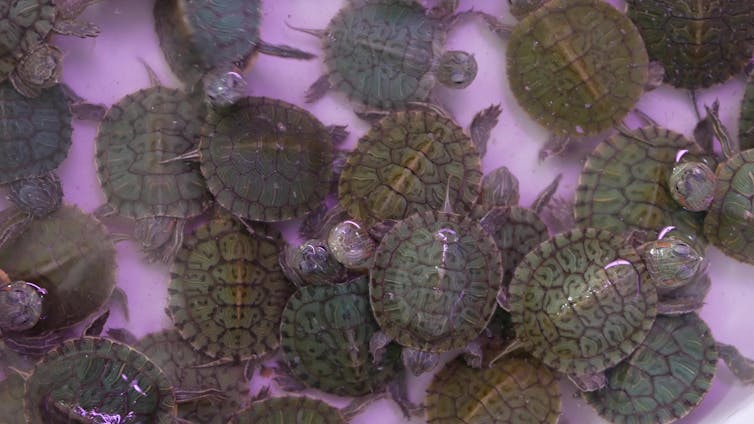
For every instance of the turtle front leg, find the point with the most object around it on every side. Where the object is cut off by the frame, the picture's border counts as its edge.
(656, 75)
(282, 50)
(472, 354)
(496, 26)
(556, 144)
(160, 237)
(377, 345)
(741, 366)
(482, 125)
(317, 90)
(688, 298)
(284, 380)
(589, 382)
(419, 362)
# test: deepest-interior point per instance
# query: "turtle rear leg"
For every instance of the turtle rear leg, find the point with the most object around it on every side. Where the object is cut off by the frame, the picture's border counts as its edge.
(741, 366)
(317, 90)
(555, 145)
(282, 50)
(482, 125)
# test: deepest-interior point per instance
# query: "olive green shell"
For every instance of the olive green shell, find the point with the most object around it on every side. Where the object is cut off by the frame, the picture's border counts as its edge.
(36, 132)
(728, 224)
(576, 66)
(137, 134)
(403, 165)
(516, 390)
(746, 118)
(571, 312)
(266, 160)
(197, 36)
(12, 399)
(623, 185)
(227, 291)
(25, 24)
(434, 282)
(289, 410)
(69, 255)
(664, 379)
(179, 361)
(383, 53)
(325, 333)
(699, 43)
(94, 375)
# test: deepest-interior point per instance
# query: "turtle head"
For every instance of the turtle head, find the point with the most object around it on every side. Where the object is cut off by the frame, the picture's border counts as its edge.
(37, 196)
(457, 69)
(40, 68)
(224, 87)
(521, 8)
(20, 306)
(692, 185)
(671, 262)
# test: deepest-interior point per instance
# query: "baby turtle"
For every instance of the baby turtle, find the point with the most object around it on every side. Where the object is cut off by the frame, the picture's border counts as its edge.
(405, 162)
(227, 291)
(288, 410)
(136, 136)
(698, 43)
(34, 139)
(386, 54)
(265, 159)
(581, 303)
(27, 58)
(667, 376)
(575, 66)
(92, 378)
(70, 259)
(213, 43)
(325, 334)
(516, 390)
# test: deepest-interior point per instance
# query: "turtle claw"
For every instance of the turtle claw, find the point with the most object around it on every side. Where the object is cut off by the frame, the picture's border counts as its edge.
(319, 33)
(338, 133)
(284, 380)
(419, 362)
(283, 51)
(318, 89)
(187, 396)
(589, 382)
(472, 354)
(656, 76)
(555, 145)
(741, 366)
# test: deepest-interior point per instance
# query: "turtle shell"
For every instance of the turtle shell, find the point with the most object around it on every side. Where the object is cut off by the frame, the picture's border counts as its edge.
(287, 410)
(404, 164)
(94, 377)
(137, 134)
(746, 119)
(664, 379)
(35, 134)
(434, 281)
(383, 53)
(577, 66)
(266, 160)
(12, 399)
(728, 221)
(571, 307)
(182, 366)
(70, 256)
(515, 390)
(227, 291)
(197, 36)
(698, 43)
(26, 24)
(624, 184)
(325, 333)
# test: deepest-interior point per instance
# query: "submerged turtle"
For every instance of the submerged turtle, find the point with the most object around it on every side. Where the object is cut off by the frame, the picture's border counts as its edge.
(325, 334)
(405, 163)
(70, 260)
(290, 409)
(516, 390)
(265, 159)
(34, 140)
(386, 54)
(27, 58)
(668, 375)
(213, 43)
(227, 291)
(134, 140)
(575, 66)
(698, 43)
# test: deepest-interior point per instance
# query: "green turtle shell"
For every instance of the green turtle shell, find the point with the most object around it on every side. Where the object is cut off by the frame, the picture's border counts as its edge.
(404, 164)
(181, 364)
(36, 132)
(570, 308)
(227, 291)
(197, 36)
(266, 160)
(664, 379)
(623, 185)
(70, 256)
(91, 377)
(12, 399)
(325, 333)
(576, 66)
(728, 221)
(383, 53)
(746, 118)
(698, 43)
(516, 390)
(289, 410)
(434, 281)
(26, 24)
(137, 134)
